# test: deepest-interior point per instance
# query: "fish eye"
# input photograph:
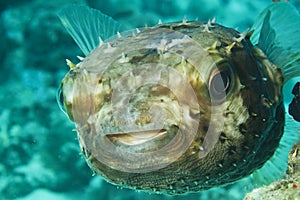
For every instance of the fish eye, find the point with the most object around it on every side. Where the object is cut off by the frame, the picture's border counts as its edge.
(220, 82)
(60, 99)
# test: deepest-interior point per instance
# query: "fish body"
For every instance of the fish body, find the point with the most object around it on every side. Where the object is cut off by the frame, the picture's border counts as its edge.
(178, 107)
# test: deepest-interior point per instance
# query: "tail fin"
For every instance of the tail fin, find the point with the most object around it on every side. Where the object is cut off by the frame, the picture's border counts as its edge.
(276, 32)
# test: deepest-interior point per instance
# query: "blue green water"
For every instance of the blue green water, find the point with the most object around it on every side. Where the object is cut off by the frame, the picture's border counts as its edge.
(39, 153)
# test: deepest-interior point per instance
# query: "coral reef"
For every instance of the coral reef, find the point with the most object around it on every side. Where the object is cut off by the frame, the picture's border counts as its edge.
(285, 189)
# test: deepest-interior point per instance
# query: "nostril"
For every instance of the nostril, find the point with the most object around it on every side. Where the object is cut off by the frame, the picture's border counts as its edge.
(205, 128)
(195, 114)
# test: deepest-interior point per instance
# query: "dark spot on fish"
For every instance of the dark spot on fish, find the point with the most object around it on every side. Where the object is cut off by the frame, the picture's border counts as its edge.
(256, 134)
(138, 188)
(226, 114)
(194, 115)
(232, 150)
(148, 54)
(171, 186)
(201, 139)
(182, 181)
(179, 51)
(86, 152)
(187, 188)
(246, 147)
(182, 27)
(242, 129)
(195, 149)
(107, 97)
(221, 163)
(265, 101)
(205, 128)
(223, 137)
(179, 192)
(260, 109)
(151, 51)
(251, 112)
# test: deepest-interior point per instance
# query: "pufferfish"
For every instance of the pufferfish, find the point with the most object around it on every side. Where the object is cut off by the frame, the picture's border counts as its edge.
(182, 106)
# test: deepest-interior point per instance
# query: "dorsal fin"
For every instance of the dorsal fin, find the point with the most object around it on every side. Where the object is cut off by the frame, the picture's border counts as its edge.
(276, 32)
(86, 25)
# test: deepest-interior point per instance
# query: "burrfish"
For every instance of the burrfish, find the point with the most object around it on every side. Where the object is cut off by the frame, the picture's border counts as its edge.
(182, 106)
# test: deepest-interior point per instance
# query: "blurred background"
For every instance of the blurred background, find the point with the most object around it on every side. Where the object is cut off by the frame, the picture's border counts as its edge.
(39, 153)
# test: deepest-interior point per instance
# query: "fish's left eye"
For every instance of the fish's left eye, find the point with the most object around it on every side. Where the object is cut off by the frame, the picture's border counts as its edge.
(219, 83)
(60, 99)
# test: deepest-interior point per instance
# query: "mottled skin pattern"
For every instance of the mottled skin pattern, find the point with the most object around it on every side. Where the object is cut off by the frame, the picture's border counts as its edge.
(253, 111)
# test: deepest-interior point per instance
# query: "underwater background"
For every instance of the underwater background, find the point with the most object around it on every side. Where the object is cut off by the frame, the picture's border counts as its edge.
(39, 153)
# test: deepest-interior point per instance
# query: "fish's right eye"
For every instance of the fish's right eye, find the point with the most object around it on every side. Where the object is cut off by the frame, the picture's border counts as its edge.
(220, 82)
(60, 99)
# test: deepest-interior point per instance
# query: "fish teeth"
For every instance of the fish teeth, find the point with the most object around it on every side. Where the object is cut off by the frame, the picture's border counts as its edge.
(137, 30)
(159, 22)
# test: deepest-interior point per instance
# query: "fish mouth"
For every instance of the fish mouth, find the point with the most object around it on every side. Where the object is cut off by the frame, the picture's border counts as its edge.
(142, 141)
(137, 138)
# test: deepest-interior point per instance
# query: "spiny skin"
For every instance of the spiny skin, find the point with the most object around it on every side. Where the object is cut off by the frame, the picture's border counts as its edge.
(253, 111)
